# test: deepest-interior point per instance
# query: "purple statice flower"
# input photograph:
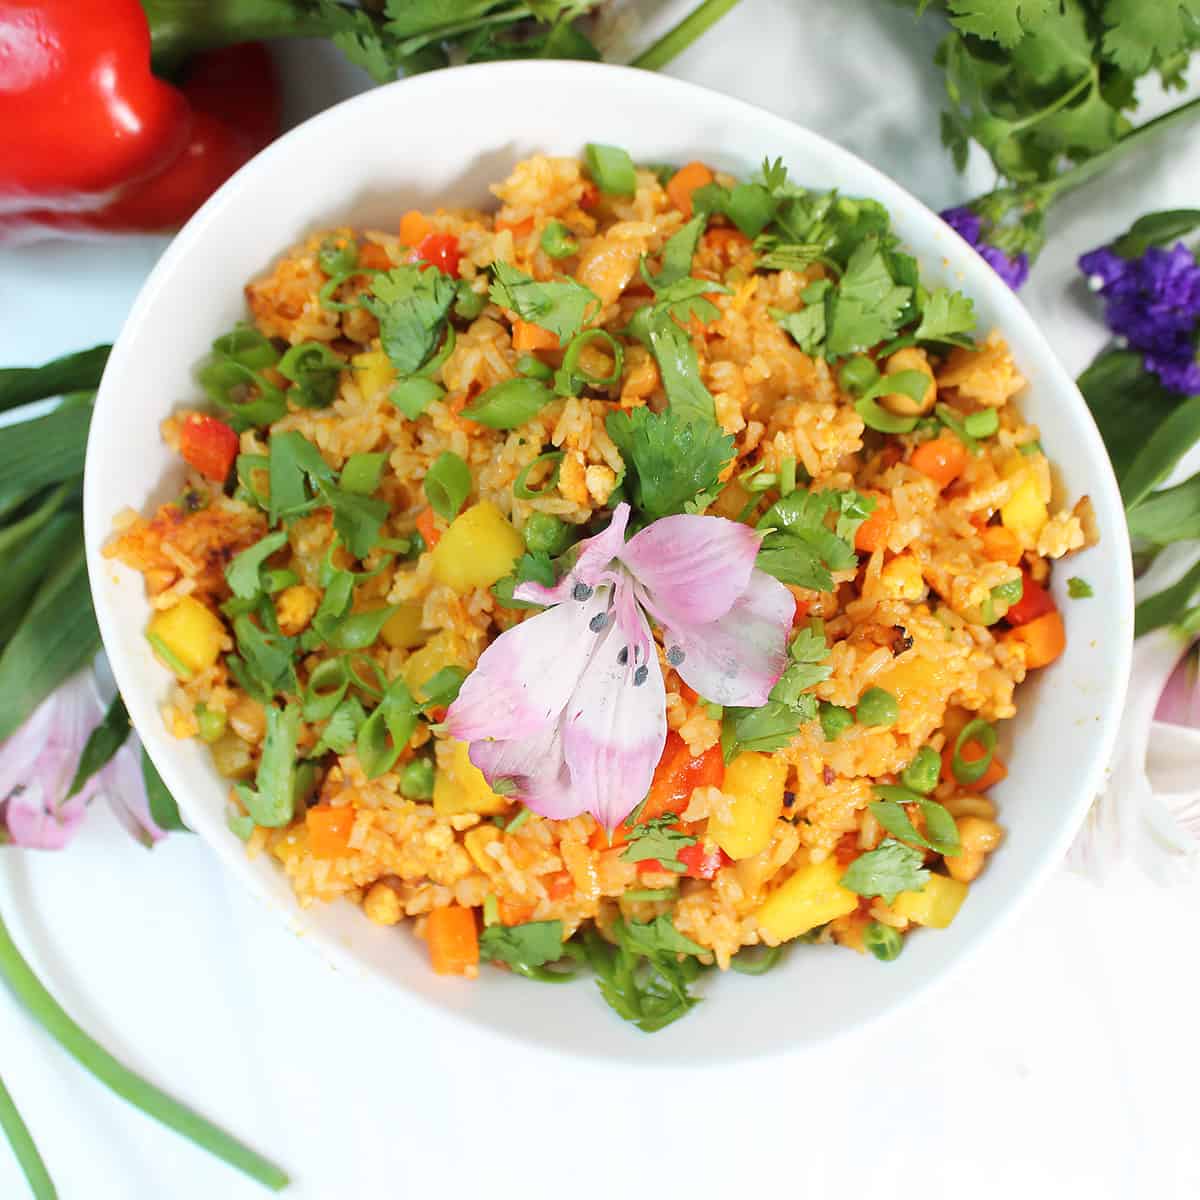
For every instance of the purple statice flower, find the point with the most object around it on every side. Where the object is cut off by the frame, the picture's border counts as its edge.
(968, 224)
(1152, 303)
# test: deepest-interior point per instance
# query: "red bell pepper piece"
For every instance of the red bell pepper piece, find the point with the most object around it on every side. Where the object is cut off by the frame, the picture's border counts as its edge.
(678, 774)
(80, 112)
(235, 105)
(702, 861)
(209, 445)
(1035, 602)
(438, 250)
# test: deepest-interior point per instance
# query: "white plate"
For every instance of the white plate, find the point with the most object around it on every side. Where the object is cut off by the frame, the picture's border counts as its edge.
(441, 139)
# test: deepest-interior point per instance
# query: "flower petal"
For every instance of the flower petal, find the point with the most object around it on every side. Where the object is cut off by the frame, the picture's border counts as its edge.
(590, 567)
(691, 569)
(525, 677)
(122, 783)
(739, 658)
(536, 767)
(614, 731)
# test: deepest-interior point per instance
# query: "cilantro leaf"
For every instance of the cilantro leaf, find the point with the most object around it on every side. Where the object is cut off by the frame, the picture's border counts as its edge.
(867, 306)
(292, 462)
(411, 303)
(679, 369)
(530, 945)
(357, 519)
(677, 255)
(668, 460)
(659, 936)
(808, 652)
(750, 206)
(266, 659)
(772, 726)
(1003, 21)
(947, 317)
(271, 801)
(800, 548)
(341, 729)
(1080, 589)
(315, 370)
(886, 871)
(941, 832)
(561, 307)
(244, 572)
(1140, 35)
(531, 568)
(806, 327)
(657, 839)
(688, 297)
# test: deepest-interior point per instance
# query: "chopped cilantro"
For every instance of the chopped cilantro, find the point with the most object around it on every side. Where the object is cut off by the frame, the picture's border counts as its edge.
(561, 307)
(530, 945)
(531, 568)
(659, 936)
(677, 255)
(357, 519)
(657, 839)
(941, 832)
(294, 467)
(411, 303)
(887, 871)
(265, 665)
(866, 306)
(947, 317)
(384, 734)
(669, 461)
(679, 368)
(314, 369)
(341, 729)
(244, 573)
(1079, 589)
(271, 801)
(800, 548)
(772, 726)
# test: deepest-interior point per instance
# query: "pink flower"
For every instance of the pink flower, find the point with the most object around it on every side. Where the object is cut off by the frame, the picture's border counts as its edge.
(1179, 703)
(567, 711)
(38, 764)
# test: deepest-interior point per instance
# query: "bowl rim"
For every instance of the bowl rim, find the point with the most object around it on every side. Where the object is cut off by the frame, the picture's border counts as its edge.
(977, 278)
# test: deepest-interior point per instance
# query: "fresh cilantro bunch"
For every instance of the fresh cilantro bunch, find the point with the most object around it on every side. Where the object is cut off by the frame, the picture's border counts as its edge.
(1144, 392)
(1047, 88)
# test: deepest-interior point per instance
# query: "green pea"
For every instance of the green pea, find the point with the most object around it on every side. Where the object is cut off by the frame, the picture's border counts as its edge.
(883, 941)
(416, 780)
(857, 375)
(877, 707)
(469, 303)
(921, 775)
(835, 720)
(546, 533)
(212, 724)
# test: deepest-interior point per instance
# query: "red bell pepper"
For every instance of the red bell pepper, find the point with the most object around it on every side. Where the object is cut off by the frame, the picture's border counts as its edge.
(438, 250)
(209, 445)
(678, 774)
(702, 861)
(1035, 602)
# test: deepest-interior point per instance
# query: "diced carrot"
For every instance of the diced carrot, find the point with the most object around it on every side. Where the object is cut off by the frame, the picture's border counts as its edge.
(516, 228)
(560, 885)
(375, 257)
(972, 752)
(684, 182)
(414, 226)
(1035, 602)
(526, 337)
(427, 529)
(943, 459)
(1001, 545)
(453, 940)
(872, 533)
(329, 828)
(514, 914)
(208, 445)
(1044, 639)
(726, 241)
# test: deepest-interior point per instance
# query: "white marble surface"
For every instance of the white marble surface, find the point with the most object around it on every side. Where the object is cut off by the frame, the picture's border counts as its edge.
(1061, 1063)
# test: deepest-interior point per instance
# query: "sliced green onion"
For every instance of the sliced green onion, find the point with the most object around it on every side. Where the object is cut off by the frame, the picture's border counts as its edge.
(325, 295)
(1030, 448)
(522, 491)
(413, 396)
(650, 894)
(533, 367)
(857, 375)
(1009, 593)
(569, 377)
(984, 735)
(337, 260)
(362, 629)
(982, 424)
(491, 910)
(447, 485)
(557, 240)
(362, 473)
(326, 689)
(169, 657)
(518, 820)
(509, 404)
(787, 475)
(1079, 589)
(247, 347)
(611, 169)
(211, 723)
(955, 423)
(756, 964)
(435, 363)
(246, 466)
(226, 382)
(876, 417)
(240, 824)
(314, 369)
(883, 941)
(276, 580)
(761, 482)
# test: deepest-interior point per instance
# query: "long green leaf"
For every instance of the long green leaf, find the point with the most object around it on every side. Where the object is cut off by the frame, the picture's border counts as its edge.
(163, 808)
(1169, 606)
(1172, 515)
(16, 533)
(45, 450)
(1161, 451)
(26, 566)
(72, 373)
(58, 636)
(104, 741)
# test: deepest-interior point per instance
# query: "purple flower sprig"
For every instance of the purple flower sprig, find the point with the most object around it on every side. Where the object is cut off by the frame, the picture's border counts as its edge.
(972, 228)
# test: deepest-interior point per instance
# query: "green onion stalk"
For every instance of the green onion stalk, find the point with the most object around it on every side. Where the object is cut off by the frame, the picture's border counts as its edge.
(50, 1015)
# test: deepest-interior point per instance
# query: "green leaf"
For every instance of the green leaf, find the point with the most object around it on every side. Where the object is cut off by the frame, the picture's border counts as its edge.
(163, 808)
(356, 519)
(1140, 35)
(689, 399)
(1003, 21)
(867, 306)
(103, 742)
(806, 327)
(27, 562)
(46, 450)
(530, 945)
(413, 396)
(941, 833)
(57, 637)
(1170, 515)
(887, 871)
(271, 802)
(244, 573)
(656, 839)
(294, 467)
(384, 734)
(411, 303)
(659, 936)
(561, 307)
(1156, 229)
(72, 373)
(772, 726)
(799, 547)
(611, 169)
(531, 568)
(677, 255)
(266, 659)
(509, 404)
(441, 689)
(1171, 606)
(342, 728)
(1161, 451)
(947, 317)
(315, 370)
(1080, 589)
(668, 460)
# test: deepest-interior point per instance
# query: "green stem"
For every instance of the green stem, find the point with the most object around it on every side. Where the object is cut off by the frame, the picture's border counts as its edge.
(41, 1186)
(675, 41)
(48, 1013)
(1090, 80)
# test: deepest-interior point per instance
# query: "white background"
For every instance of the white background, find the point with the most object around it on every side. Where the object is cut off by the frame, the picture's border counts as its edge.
(1061, 1063)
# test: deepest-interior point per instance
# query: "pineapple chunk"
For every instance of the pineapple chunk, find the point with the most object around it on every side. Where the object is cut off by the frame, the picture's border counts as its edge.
(191, 632)
(754, 785)
(811, 897)
(1025, 511)
(935, 905)
(479, 547)
(460, 787)
(445, 649)
(373, 372)
(402, 630)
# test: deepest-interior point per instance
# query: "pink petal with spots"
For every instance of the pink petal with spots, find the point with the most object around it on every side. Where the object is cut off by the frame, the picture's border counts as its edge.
(525, 677)
(739, 658)
(691, 569)
(597, 552)
(536, 767)
(614, 731)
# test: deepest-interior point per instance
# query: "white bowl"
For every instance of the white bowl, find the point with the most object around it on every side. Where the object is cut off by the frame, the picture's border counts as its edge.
(441, 139)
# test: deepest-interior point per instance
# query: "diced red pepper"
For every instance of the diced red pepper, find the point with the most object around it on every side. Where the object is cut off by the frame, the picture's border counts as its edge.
(678, 774)
(208, 445)
(702, 860)
(438, 250)
(1035, 602)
